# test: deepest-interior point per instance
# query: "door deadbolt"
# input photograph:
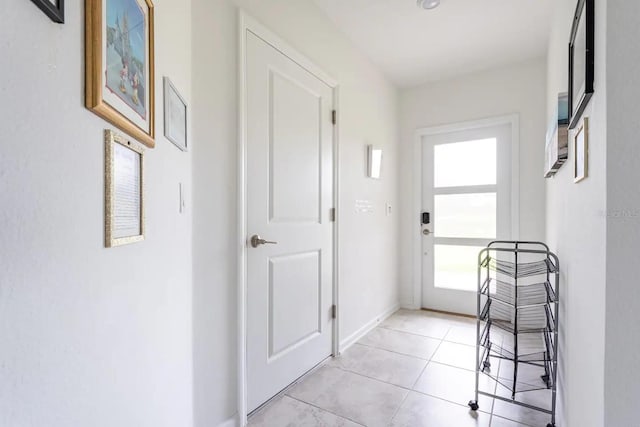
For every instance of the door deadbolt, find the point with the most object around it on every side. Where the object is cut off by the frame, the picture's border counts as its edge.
(256, 241)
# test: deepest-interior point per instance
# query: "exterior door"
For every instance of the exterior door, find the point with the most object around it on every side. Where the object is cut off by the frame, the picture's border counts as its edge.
(466, 188)
(289, 178)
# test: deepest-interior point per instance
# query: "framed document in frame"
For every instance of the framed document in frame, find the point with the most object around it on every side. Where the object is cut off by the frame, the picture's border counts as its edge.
(124, 190)
(581, 152)
(175, 116)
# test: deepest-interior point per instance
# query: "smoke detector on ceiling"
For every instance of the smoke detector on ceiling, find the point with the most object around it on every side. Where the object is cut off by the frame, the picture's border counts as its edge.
(428, 4)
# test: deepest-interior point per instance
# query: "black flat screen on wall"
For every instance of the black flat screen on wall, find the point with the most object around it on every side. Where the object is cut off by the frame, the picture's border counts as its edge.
(581, 60)
(54, 9)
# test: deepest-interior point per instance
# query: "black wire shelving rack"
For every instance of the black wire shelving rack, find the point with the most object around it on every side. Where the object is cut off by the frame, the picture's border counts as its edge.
(518, 291)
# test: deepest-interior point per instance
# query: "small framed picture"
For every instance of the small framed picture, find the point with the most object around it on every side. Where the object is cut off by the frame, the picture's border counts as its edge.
(175, 116)
(124, 190)
(557, 147)
(581, 152)
(581, 60)
(54, 9)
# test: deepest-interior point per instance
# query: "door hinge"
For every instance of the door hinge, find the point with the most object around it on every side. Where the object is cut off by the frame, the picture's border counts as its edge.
(334, 117)
(332, 215)
(334, 311)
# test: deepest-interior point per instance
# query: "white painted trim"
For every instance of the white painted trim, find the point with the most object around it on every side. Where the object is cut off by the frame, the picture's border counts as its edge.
(370, 325)
(231, 422)
(511, 119)
(336, 224)
(468, 125)
(253, 25)
(515, 177)
(416, 302)
(242, 224)
(410, 306)
(248, 23)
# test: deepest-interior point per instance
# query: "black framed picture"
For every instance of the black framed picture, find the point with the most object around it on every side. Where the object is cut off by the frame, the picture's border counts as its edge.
(581, 60)
(54, 9)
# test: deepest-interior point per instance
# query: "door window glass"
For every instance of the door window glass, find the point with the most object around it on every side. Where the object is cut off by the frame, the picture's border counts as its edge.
(465, 215)
(465, 163)
(455, 267)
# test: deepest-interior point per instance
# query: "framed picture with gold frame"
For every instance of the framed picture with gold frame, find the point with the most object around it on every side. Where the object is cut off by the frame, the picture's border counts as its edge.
(119, 65)
(581, 152)
(124, 190)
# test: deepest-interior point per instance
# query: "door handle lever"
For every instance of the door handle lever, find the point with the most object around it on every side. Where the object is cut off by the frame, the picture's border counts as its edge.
(256, 241)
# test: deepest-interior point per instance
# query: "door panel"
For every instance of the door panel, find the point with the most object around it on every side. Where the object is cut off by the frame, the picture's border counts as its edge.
(295, 162)
(466, 186)
(294, 278)
(289, 178)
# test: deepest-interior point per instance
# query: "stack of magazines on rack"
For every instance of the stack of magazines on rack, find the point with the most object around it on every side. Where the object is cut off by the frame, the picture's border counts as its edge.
(518, 291)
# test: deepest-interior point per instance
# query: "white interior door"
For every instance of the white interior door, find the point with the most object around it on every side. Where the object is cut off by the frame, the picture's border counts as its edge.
(289, 175)
(466, 188)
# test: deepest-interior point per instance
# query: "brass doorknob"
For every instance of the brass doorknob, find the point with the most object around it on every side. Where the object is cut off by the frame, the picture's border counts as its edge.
(256, 241)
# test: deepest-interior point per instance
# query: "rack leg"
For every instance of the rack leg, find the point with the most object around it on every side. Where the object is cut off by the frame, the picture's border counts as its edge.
(473, 404)
(553, 406)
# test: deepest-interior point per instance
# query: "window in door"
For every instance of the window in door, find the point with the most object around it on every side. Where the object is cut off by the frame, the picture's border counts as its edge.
(465, 201)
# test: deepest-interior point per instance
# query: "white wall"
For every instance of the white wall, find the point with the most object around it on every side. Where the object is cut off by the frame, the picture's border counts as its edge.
(88, 336)
(576, 231)
(368, 243)
(145, 334)
(622, 354)
(514, 89)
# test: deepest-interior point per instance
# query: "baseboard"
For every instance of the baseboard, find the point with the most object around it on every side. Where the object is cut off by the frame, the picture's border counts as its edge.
(410, 306)
(231, 422)
(353, 338)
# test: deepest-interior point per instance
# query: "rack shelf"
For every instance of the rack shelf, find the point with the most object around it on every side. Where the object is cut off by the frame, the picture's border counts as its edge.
(514, 319)
(528, 295)
(518, 301)
(532, 348)
(519, 270)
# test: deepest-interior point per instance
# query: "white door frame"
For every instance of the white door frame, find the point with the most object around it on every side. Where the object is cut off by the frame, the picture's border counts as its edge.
(514, 121)
(247, 23)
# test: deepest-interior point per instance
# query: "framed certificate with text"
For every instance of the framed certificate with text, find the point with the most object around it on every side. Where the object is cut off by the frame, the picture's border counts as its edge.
(124, 190)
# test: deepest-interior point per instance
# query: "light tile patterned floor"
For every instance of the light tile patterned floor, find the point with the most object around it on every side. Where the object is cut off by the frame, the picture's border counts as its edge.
(415, 369)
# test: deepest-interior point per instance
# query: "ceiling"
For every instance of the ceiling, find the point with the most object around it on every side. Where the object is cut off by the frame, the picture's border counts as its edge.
(413, 46)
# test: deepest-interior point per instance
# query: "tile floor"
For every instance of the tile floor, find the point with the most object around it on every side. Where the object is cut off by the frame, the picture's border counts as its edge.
(415, 369)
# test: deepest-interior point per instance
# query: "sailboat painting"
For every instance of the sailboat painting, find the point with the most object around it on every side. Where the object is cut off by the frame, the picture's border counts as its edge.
(119, 65)
(126, 54)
